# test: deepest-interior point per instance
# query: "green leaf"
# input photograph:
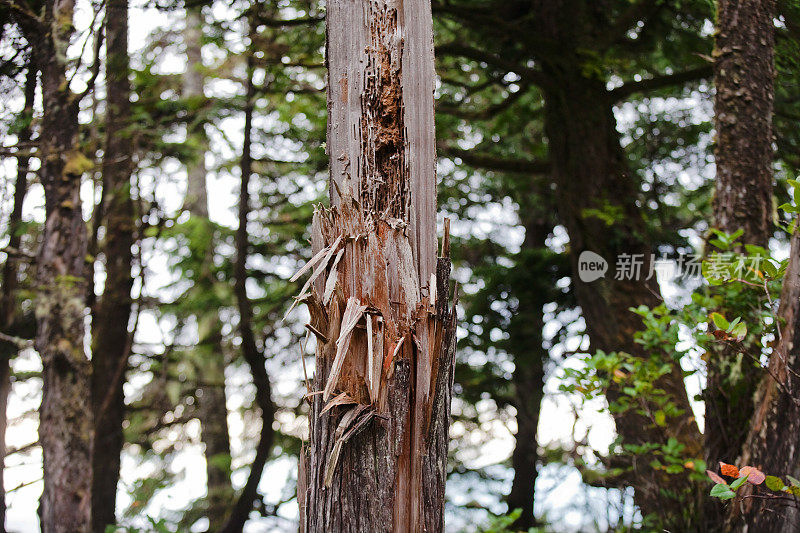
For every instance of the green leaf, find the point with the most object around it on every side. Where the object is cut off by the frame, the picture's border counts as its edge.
(738, 483)
(774, 483)
(740, 331)
(794, 481)
(723, 492)
(719, 321)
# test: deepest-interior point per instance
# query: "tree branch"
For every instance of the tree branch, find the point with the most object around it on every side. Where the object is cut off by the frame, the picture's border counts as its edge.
(660, 82)
(526, 73)
(277, 23)
(95, 67)
(494, 163)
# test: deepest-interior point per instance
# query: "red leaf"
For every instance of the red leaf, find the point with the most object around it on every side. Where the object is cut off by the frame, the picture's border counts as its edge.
(728, 470)
(754, 475)
(716, 478)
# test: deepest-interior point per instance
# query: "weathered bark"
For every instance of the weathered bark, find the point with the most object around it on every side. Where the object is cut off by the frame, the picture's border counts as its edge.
(212, 410)
(379, 299)
(65, 416)
(591, 173)
(8, 295)
(111, 343)
(744, 74)
(255, 359)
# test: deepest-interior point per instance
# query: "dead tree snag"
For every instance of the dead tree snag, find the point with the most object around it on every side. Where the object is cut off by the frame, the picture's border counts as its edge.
(377, 294)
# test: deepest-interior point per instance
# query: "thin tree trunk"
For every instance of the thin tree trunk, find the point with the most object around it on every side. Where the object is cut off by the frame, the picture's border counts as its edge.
(65, 416)
(377, 454)
(525, 343)
(244, 504)
(212, 410)
(744, 74)
(111, 338)
(8, 296)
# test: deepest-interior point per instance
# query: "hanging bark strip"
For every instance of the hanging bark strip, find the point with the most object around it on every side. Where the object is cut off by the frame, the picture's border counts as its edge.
(378, 301)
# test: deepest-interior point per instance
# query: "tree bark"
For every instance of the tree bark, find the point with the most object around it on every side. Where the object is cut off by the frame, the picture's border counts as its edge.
(255, 359)
(744, 74)
(8, 296)
(377, 455)
(111, 345)
(212, 409)
(65, 416)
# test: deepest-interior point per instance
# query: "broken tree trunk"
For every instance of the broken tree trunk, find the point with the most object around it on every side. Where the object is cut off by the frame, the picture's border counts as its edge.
(377, 295)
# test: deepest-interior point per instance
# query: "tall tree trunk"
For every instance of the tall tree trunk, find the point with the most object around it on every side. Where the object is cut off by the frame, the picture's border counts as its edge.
(525, 343)
(377, 454)
(744, 78)
(744, 74)
(254, 358)
(111, 344)
(8, 296)
(593, 178)
(212, 410)
(65, 416)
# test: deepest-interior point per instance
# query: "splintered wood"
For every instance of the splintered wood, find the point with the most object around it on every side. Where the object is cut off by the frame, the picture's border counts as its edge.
(369, 313)
(377, 295)
(369, 302)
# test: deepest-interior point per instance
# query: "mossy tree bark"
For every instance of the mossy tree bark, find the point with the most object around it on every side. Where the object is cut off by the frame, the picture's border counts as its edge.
(378, 296)
(65, 415)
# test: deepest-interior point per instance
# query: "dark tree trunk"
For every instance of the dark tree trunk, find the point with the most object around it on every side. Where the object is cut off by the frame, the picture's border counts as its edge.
(255, 360)
(772, 444)
(377, 454)
(65, 416)
(111, 344)
(744, 74)
(212, 410)
(592, 176)
(8, 296)
(525, 343)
